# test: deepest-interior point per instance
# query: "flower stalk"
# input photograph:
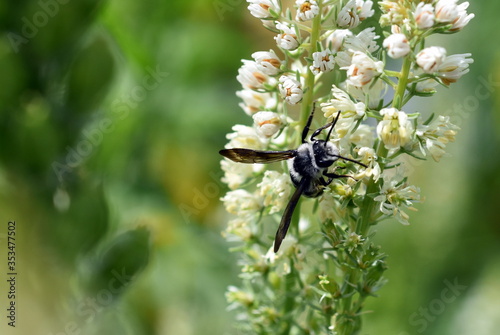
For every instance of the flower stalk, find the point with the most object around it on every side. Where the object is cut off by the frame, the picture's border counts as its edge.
(328, 265)
(310, 77)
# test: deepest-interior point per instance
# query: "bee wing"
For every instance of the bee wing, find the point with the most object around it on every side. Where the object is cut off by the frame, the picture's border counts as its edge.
(241, 155)
(287, 215)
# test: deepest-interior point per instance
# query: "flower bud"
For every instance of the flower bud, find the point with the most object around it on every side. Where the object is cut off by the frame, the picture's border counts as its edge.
(397, 45)
(268, 61)
(429, 59)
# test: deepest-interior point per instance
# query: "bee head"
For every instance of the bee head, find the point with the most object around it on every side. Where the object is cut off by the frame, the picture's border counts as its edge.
(325, 153)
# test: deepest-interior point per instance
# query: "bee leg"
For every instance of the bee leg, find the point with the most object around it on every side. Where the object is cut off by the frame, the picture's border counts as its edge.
(317, 131)
(331, 124)
(331, 176)
(306, 129)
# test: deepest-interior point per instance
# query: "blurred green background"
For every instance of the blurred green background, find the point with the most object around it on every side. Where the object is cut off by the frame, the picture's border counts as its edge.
(111, 116)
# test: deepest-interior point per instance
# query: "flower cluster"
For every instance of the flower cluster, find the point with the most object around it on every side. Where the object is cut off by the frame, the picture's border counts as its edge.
(326, 43)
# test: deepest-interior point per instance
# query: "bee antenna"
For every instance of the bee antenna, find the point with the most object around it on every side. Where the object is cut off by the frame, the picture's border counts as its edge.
(352, 160)
(331, 129)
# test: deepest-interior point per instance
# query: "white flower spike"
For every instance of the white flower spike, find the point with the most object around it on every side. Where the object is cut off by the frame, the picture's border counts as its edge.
(352, 155)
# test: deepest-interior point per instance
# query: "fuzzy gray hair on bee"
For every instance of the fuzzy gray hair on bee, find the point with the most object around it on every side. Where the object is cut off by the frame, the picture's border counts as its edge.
(308, 166)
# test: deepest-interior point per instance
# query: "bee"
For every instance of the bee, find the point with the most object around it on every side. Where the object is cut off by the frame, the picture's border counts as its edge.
(308, 167)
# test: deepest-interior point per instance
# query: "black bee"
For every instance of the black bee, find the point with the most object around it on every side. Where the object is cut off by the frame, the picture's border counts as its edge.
(308, 165)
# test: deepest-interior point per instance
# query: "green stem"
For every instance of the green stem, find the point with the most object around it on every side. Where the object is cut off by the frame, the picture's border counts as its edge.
(397, 102)
(309, 82)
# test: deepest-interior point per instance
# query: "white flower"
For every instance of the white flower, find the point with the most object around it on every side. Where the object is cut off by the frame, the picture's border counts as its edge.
(363, 136)
(436, 135)
(424, 15)
(235, 174)
(268, 61)
(244, 137)
(241, 202)
(267, 123)
(260, 8)
(275, 190)
(396, 196)
(364, 9)
(430, 59)
(336, 39)
(454, 67)
(365, 41)
(280, 261)
(363, 69)
(254, 101)
(446, 10)
(371, 94)
(238, 230)
(348, 16)
(323, 61)
(343, 59)
(463, 18)
(368, 157)
(250, 75)
(288, 38)
(397, 45)
(394, 12)
(328, 203)
(351, 112)
(423, 85)
(426, 86)
(290, 89)
(237, 298)
(354, 12)
(395, 130)
(342, 102)
(306, 10)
